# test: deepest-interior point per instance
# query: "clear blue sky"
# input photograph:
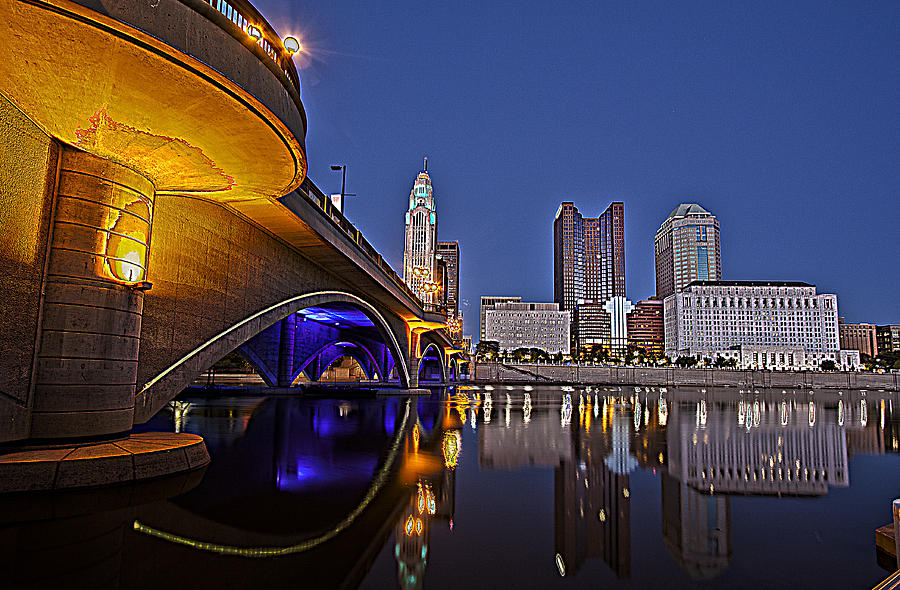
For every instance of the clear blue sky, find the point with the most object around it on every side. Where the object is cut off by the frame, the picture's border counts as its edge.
(781, 118)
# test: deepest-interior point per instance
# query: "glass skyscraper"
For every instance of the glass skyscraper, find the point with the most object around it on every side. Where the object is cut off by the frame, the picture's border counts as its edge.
(588, 255)
(687, 249)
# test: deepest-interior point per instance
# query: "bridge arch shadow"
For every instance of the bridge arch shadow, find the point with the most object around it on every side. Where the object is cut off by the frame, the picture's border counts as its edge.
(286, 338)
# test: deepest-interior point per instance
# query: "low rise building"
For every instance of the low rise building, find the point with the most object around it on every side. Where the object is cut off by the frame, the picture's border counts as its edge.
(646, 327)
(780, 358)
(786, 319)
(605, 324)
(888, 338)
(861, 337)
(528, 325)
(488, 303)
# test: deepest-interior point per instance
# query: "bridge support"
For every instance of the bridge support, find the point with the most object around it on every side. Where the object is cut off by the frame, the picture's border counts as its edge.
(286, 351)
(91, 318)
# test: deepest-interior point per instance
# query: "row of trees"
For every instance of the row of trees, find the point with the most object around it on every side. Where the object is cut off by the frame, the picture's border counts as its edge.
(883, 361)
(489, 350)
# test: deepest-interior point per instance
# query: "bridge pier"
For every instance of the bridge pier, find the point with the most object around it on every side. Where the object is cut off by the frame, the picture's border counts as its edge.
(286, 351)
(86, 369)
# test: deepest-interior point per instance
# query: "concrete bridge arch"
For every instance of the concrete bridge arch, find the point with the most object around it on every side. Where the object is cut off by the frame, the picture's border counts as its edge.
(167, 384)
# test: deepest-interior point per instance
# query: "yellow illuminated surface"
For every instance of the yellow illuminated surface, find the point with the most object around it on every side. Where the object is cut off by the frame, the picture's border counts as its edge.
(126, 243)
(130, 98)
(451, 447)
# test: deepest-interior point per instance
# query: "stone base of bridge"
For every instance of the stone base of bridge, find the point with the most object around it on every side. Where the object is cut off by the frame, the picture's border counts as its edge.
(138, 457)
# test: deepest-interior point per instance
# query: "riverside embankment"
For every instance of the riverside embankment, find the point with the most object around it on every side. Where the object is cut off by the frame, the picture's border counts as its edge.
(672, 376)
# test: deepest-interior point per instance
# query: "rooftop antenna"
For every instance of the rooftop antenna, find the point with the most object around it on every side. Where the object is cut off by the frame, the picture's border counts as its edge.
(426, 163)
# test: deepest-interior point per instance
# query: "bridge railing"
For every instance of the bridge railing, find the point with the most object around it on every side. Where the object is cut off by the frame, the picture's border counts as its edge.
(245, 17)
(323, 202)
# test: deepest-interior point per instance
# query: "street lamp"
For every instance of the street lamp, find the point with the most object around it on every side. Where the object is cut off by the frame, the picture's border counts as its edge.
(343, 169)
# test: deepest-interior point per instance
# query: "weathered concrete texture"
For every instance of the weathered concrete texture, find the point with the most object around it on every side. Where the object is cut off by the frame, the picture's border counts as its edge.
(140, 456)
(667, 376)
(27, 184)
(220, 45)
(197, 131)
(91, 325)
(211, 269)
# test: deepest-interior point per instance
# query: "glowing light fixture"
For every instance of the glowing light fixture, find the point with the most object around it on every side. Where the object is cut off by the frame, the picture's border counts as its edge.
(291, 45)
(254, 32)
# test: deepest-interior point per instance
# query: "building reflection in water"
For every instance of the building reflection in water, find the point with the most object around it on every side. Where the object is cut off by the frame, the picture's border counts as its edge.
(706, 447)
(433, 497)
(307, 466)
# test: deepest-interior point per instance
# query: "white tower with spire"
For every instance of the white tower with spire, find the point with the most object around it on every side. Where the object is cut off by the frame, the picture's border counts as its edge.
(419, 262)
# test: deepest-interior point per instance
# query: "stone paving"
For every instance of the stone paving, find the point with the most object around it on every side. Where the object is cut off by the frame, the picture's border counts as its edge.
(140, 456)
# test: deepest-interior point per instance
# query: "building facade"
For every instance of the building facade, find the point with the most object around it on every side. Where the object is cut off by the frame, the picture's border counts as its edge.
(708, 318)
(489, 303)
(590, 326)
(888, 338)
(861, 337)
(449, 253)
(686, 249)
(419, 253)
(646, 327)
(589, 269)
(528, 325)
(588, 255)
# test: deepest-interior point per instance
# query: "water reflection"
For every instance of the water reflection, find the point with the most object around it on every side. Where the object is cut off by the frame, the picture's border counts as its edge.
(342, 493)
(706, 447)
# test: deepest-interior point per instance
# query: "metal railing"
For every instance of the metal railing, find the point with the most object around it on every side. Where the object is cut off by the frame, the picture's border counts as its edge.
(315, 195)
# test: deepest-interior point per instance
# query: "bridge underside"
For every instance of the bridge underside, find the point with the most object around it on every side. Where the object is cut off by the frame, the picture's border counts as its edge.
(310, 340)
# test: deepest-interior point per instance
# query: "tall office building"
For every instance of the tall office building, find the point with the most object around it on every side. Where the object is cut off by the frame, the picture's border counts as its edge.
(687, 249)
(449, 252)
(488, 303)
(588, 255)
(421, 239)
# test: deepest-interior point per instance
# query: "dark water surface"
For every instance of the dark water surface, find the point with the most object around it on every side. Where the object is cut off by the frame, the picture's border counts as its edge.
(489, 487)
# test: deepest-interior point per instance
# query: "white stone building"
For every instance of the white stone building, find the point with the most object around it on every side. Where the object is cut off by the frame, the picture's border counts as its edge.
(528, 325)
(764, 325)
(419, 260)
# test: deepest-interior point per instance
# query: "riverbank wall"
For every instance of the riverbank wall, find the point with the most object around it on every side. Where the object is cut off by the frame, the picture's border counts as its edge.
(672, 376)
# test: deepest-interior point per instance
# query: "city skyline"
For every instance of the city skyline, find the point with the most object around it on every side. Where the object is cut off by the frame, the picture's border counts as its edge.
(760, 115)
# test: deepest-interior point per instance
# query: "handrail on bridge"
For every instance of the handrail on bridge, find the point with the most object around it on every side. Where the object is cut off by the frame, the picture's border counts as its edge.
(244, 16)
(323, 202)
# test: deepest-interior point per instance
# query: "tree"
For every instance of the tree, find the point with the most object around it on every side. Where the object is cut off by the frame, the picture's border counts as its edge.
(558, 358)
(721, 362)
(539, 354)
(487, 350)
(828, 365)
(686, 361)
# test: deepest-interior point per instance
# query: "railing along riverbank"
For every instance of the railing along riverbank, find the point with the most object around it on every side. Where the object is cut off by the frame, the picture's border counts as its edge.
(673, 376)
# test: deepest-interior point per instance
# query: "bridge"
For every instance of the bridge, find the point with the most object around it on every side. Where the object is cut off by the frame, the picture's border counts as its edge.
(157, 216)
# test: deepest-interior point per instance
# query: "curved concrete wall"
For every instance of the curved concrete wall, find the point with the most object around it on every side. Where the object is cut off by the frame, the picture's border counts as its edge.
(189, 27)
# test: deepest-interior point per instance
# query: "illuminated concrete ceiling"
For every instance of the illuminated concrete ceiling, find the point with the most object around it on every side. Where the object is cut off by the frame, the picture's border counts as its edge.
(109, 89)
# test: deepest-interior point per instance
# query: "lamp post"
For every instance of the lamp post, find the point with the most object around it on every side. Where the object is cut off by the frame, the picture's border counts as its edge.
(343, 169)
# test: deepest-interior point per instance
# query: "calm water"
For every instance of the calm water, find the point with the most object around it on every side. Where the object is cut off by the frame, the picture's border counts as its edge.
(475, 487)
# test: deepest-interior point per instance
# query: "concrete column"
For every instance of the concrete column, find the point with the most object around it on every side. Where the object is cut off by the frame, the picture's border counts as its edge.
(286, 351)
(91, 324)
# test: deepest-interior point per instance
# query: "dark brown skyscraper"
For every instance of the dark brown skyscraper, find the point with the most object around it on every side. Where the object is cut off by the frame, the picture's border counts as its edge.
(588, 255)
(449, 251)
